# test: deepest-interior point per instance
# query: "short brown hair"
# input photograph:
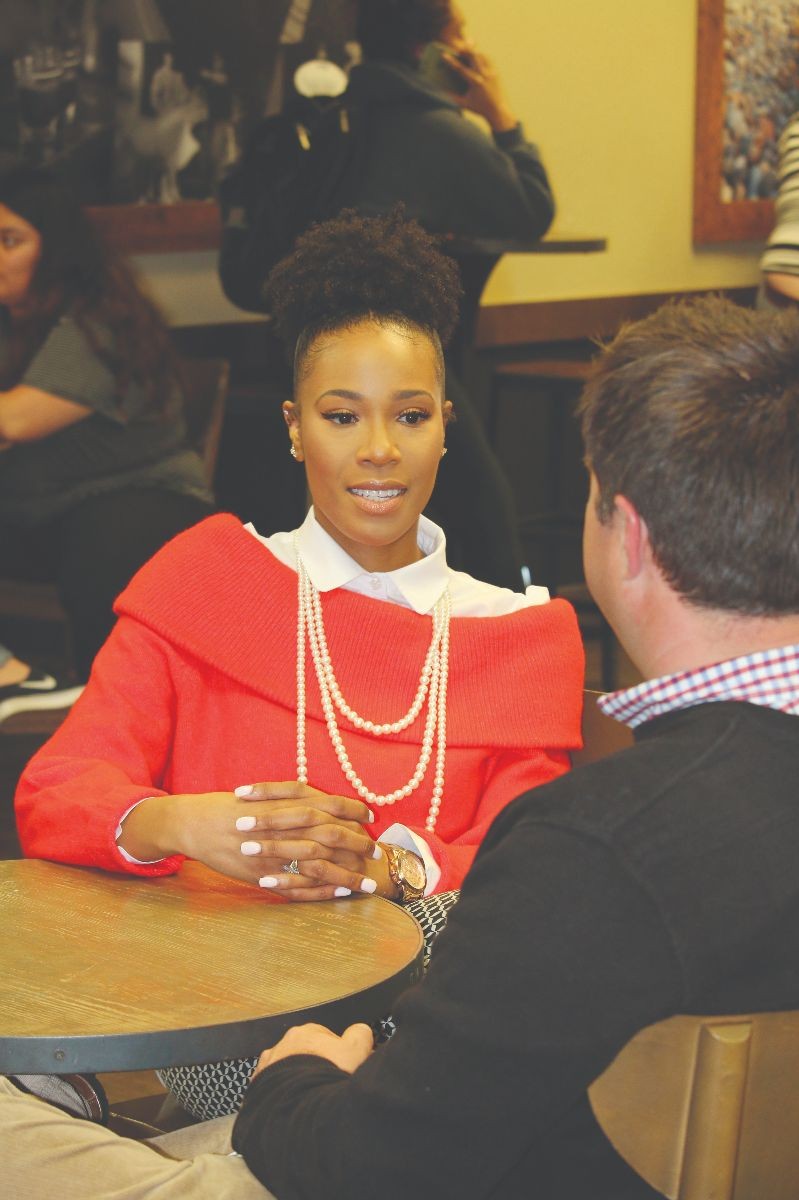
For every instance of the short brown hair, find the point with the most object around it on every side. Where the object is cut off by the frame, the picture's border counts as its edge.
(693, 415)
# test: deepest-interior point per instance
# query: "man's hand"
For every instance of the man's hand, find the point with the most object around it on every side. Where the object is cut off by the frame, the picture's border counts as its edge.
(347, 1052)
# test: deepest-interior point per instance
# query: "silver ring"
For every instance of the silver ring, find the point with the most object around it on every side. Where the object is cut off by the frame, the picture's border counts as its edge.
(293, 867)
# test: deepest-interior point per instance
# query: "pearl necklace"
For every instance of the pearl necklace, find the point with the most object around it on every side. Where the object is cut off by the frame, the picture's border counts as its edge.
(432, 685)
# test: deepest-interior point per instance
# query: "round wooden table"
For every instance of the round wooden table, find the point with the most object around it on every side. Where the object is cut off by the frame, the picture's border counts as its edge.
(118, 973)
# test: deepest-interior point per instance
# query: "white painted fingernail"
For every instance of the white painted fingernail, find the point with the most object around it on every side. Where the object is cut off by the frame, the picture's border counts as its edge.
(369, 885)
(245, 823)
(246, 789)
(377, 852)
(342, 891)
(372, 816)
(267, 881)
(251, 847)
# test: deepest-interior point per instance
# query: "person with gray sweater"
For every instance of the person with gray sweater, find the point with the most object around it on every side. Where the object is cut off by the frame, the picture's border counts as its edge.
(95, 470)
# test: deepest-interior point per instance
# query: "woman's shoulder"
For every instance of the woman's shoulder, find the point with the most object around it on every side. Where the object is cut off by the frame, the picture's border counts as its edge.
(521, 674)
(218, 595)
(207, 565)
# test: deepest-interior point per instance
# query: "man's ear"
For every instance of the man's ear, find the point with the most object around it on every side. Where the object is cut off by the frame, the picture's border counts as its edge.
(635, 537)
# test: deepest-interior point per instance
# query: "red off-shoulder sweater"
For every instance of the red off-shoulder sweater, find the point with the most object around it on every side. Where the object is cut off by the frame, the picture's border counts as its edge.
(195, 691)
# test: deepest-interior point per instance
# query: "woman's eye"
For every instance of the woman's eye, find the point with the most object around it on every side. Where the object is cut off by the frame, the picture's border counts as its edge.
(414, 416)
(340, 418)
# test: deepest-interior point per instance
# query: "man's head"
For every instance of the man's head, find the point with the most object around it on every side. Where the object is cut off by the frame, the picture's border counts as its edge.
(692, 417)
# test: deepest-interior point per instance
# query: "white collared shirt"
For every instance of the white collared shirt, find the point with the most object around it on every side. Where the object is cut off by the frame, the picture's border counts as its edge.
(417, 586)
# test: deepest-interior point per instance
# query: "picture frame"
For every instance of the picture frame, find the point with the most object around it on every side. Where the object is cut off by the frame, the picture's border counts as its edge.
(744, 95)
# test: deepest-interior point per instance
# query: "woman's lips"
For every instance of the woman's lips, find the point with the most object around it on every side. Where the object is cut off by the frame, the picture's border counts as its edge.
(378, 500)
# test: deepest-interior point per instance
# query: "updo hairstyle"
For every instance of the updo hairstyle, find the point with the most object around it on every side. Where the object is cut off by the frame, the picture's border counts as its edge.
(386, 269)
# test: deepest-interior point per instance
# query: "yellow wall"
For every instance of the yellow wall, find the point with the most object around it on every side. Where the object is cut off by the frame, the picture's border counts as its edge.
(606, 87)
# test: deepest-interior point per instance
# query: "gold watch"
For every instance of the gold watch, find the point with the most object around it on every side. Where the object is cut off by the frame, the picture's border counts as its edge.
(406, 871)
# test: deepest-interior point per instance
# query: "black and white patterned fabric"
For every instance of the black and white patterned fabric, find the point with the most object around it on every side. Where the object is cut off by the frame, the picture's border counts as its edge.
(217, 1089)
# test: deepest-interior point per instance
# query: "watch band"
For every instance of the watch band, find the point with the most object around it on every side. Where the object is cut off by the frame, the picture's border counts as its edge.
(406, 871)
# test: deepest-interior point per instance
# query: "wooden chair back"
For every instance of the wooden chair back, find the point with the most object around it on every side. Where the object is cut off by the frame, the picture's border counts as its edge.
(707, 1108)
(601, 735)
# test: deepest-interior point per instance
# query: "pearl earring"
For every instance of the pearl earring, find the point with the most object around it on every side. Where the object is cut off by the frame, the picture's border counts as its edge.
(293, 451)
(444, 451)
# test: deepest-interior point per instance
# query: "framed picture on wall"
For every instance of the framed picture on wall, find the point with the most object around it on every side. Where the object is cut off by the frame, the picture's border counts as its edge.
(142, 105)
(747, 86)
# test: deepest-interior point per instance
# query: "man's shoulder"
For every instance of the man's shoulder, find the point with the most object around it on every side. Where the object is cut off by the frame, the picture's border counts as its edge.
(700, 815)
(712, 762)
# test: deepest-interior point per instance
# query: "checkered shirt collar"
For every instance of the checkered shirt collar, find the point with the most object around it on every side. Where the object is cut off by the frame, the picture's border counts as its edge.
(769, 678)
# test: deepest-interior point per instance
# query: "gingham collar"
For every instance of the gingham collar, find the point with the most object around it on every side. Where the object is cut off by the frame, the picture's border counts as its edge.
(768, 677)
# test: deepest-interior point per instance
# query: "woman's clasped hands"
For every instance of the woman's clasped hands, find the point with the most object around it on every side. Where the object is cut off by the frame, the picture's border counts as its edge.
(319, 835)
(259, 831)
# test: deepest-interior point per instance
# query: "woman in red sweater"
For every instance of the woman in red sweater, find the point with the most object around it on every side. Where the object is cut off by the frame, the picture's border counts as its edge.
(272, 706)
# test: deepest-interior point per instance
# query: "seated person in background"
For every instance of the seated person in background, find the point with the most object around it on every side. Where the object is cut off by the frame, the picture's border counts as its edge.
(780, 261)
(24, 688)
(426, 699)
(661, 880)
(95, 475)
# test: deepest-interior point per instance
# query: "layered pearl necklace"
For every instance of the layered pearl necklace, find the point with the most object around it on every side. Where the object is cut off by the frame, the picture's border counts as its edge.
(432, 685)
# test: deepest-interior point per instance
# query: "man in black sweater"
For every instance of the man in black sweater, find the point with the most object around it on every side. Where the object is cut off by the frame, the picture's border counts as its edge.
(659, 881)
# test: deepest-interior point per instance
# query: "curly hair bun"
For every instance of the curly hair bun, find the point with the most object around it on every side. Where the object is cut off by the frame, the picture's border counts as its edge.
(354, 267)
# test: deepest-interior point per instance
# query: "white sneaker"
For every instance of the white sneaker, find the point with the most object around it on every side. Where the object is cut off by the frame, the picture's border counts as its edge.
(38, 692)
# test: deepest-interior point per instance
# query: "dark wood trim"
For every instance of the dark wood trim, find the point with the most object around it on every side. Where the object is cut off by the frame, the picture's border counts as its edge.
(160, 228)
(500, 325)
(248, 344)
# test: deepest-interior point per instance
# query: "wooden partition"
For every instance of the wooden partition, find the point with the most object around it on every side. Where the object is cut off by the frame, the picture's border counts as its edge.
(503, 326)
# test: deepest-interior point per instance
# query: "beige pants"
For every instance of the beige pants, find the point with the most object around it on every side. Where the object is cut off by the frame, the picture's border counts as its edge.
(48, 1155)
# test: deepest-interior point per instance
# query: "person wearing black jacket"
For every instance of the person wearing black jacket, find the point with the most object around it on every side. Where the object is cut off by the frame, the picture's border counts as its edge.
(423, 151)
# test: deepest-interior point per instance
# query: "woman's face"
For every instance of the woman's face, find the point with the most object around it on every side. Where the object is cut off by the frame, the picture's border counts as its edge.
(368, 422)
(20, 250)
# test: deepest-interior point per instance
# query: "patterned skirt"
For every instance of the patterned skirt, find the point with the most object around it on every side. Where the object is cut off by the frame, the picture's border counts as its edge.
(216, 1089)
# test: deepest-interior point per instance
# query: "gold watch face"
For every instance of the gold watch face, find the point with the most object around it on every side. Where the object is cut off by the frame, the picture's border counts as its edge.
(413, 871)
